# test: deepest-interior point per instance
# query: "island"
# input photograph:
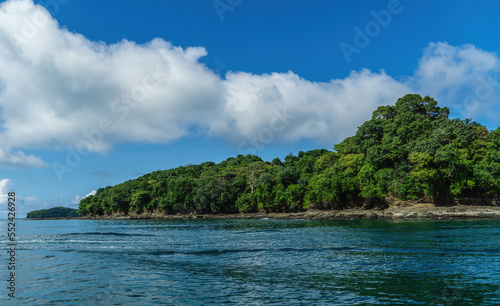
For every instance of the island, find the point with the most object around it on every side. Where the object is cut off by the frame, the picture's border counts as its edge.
(53, 213)
(410, 159)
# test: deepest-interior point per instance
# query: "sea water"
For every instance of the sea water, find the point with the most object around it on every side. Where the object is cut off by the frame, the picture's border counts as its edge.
(253, 262)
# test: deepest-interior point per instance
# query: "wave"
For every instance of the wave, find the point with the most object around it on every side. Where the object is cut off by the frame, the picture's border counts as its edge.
(230, 251)
(105, 234)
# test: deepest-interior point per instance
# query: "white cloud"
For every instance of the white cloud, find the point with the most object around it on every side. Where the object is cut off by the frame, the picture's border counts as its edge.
(78, 198)
(68, 91)
(19, 158)
(325, 112)
(64, 87)
(5, 188)
(447, 66)
(93, 192)
(30, 199)
(464, 77)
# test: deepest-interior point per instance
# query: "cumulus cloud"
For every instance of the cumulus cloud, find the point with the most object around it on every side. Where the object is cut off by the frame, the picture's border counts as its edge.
(19, 158)
(59, 90)
(5, 188)
(325, 112)
(78, 198)
(464, 77)
(93, 192)
(446, 66)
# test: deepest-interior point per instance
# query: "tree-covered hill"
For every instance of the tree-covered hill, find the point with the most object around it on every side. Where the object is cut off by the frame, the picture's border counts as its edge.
(408, 151)
(55, 212)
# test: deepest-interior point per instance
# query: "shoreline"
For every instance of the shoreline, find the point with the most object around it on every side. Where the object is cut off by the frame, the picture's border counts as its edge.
(417, 211)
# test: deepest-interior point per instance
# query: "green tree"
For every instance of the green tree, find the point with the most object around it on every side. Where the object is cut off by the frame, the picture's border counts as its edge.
(409, 150)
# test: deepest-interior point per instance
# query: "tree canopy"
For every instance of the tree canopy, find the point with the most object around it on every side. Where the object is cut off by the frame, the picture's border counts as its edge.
(55, 212)
(408, 151)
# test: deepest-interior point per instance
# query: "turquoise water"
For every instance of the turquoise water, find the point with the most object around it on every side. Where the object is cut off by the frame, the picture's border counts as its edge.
(194, 262)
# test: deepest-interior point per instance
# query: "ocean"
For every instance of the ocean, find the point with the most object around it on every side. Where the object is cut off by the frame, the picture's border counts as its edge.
(253, 262)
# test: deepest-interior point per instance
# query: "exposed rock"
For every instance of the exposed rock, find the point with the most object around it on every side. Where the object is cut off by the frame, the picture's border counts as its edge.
(404, 210)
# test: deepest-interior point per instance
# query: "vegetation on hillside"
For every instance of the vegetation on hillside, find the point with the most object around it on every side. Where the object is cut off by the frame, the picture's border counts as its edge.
(55, 212)
(408, 151)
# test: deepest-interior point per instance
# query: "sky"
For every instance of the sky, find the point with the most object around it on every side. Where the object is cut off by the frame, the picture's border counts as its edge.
(95, 93)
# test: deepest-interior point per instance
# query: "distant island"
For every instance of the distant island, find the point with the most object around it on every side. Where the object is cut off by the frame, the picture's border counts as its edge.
(410, 152)
(55, 212)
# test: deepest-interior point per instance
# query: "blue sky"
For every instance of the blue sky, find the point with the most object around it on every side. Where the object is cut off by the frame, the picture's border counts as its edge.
(207, 80)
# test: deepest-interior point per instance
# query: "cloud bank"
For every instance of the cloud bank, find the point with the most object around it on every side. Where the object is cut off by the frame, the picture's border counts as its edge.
(59, 90)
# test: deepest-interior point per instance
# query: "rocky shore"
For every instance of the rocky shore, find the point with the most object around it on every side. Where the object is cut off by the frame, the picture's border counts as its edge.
(416, 211)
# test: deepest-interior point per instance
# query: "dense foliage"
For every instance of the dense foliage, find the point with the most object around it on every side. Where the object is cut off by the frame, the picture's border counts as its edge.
(408, 151)
(55, 212)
